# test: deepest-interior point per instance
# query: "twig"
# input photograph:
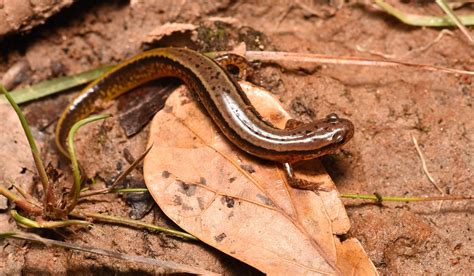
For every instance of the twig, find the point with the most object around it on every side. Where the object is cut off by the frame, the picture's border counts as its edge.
(120, 177)
(342, 60)
(423, 163)
(130, 168)
(104, 252)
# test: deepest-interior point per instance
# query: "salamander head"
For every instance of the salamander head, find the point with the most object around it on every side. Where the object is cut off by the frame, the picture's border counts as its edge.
(343, 129)
(326, 136)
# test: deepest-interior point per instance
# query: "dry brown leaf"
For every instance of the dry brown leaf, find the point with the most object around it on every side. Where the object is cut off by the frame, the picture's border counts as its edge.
(240, 204)
(168, 29)
(351, 258)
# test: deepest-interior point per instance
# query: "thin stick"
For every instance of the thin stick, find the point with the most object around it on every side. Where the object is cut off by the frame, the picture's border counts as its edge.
(423, 163)
(342, 60)
(104, 252)
(120, 177)
(130, 168)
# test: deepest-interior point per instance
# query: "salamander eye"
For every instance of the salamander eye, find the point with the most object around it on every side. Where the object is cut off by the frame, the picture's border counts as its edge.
(233, 69)
(332, 117)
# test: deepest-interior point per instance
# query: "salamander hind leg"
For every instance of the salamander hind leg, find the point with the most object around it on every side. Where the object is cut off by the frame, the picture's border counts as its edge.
(299, 183)
(293, 123)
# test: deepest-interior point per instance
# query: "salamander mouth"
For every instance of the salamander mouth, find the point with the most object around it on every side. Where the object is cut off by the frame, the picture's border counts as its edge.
(346, 133)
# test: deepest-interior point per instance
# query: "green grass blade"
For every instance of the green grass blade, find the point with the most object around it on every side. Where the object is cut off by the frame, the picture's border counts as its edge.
(72, 154)
(422, 20)
(57, 85)
(29, 223)
(450, 13)
(34, 149)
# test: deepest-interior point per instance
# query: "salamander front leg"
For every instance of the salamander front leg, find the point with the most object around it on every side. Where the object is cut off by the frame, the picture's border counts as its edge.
(297, 182)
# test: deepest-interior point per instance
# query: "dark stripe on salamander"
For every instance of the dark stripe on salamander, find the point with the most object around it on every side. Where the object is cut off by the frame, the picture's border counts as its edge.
(209, 99)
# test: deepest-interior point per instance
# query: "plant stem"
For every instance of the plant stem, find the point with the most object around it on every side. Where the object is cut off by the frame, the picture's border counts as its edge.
(133, 223)
(34, 150)
(27, 197)
(74, 195)
(421, 20)
(130, 190)
(445, 7)
(9, 195)
(21, 203)
(379, 198)
(26, 222)
(120, 178)
(166, 265)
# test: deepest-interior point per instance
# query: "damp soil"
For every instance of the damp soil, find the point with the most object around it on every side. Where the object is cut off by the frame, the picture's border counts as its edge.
(387, 106)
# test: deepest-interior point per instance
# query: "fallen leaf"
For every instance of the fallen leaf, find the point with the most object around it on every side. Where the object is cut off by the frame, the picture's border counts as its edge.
(352, 259)
(138, 108)
(240, 204)
(167, 30)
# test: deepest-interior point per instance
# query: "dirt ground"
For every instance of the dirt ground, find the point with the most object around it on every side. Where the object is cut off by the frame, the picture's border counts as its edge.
(387, 106)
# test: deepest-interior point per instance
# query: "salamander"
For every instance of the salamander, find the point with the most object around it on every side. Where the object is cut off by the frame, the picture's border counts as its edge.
(222, 98)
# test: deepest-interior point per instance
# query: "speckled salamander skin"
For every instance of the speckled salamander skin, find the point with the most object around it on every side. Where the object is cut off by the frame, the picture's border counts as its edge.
(222, 98)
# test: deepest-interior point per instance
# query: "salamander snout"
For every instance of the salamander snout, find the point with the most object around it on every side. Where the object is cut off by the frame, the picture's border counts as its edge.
(338, 137)
(344, 131)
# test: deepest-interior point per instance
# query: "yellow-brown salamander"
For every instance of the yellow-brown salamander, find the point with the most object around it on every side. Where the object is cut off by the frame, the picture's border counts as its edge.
(224, 101)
